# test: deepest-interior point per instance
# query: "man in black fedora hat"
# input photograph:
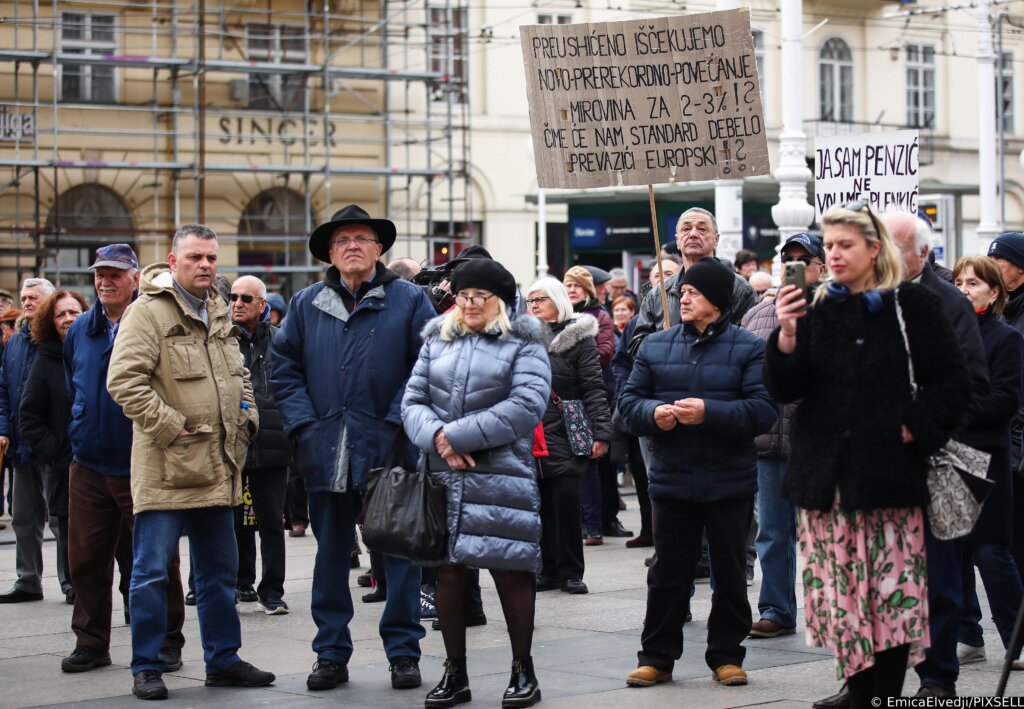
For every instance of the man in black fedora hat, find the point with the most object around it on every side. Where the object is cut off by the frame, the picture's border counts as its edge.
(341, 362)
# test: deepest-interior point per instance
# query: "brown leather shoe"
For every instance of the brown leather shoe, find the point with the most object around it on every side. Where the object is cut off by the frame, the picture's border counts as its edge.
(647, 676)
(839, 700)
(769, 629)
(730, 675)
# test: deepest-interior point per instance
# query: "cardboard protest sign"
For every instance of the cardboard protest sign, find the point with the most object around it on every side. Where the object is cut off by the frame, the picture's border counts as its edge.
(879, 167)
(669, 99)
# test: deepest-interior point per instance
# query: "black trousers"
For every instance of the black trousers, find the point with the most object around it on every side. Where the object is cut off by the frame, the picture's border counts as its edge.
(297, 506)
(561, 521)
(267, 486)
(607, 474)
(677, 541)
(638, 470)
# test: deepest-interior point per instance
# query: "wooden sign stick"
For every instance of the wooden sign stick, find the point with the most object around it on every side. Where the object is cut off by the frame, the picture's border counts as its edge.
(657, 254)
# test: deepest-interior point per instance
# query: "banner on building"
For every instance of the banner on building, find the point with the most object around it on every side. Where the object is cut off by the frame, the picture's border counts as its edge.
(878, 167)
(668, 99)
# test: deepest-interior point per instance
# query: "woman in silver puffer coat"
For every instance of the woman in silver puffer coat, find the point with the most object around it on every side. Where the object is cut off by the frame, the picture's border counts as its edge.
(475, 396)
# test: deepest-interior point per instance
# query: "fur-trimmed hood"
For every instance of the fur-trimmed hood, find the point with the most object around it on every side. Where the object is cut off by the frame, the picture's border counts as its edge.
(577, 329)
(525, 327)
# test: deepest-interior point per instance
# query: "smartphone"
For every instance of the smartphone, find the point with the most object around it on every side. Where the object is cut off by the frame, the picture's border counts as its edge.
(794, 275)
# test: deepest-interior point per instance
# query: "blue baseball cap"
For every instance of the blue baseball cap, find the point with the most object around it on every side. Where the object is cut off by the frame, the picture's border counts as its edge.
(115, 256)
(1010, 246)
(811, 243)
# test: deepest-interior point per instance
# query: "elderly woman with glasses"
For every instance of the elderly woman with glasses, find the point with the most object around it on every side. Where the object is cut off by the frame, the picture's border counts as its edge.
(861, 437)
(473, 401)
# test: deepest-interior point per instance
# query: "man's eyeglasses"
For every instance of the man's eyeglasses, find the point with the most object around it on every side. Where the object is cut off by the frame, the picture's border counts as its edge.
(359, 241)
(805, 260)
(532, 301)
(477, 301)
(246, 298)
(860, 204)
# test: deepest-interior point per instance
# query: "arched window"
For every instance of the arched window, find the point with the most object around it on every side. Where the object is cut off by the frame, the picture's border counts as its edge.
(83, 218)
(273, 232)
(835, 82)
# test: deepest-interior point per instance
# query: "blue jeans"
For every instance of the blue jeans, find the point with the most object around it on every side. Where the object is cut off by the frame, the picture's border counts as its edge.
(332, 517)
(945, 601)
(776, 545)
(1003, 587)
(211, 538)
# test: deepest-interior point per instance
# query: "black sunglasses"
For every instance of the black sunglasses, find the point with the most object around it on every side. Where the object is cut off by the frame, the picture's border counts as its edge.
(859, 204)
(246, 298)
(805, 260)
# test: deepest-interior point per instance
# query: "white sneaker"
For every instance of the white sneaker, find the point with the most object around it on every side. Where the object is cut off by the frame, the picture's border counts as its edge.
(967, 654)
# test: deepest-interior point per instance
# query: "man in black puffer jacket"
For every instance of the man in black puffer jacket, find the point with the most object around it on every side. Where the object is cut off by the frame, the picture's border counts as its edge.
(266, 465)
(696, 391)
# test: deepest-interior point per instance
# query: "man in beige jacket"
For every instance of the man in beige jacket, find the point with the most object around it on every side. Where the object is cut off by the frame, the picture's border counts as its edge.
(177, 372)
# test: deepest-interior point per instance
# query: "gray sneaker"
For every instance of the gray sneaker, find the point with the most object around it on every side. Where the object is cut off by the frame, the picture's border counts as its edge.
(967, 654)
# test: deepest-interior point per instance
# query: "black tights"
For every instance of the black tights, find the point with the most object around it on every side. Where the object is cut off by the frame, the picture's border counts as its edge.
(883, 679)
(518, 597)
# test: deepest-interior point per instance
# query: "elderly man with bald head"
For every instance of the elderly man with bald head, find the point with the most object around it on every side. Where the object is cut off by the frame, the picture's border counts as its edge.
(265, 475)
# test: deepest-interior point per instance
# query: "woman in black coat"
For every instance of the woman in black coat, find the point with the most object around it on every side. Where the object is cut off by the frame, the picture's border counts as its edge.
(988, 545)
(45, 414)
(575, 375)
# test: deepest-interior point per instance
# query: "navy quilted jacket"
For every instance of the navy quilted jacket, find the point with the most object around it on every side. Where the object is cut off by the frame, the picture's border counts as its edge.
(717, 459)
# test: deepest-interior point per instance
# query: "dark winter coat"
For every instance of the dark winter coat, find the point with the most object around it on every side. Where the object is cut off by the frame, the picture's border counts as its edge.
(715, 460)
(990, 431)
(270, 448)
(575, 374)
(334, 369)
(606, 330)
(651, 317)
(18, 355)
(849, 370)
(1013, 315)
(100, 433)
(487, 393)
(44, 417)
(762, 321)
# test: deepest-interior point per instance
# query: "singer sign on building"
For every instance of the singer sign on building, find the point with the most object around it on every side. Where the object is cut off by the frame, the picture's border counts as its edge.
(670, 99)
(16, 126)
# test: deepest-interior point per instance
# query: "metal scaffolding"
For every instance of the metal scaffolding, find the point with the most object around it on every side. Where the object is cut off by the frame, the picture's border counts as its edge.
(182, 107)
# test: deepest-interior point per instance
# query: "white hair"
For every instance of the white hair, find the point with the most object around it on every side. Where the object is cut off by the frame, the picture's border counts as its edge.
(617, 273)
(47, 287)
(553, 288)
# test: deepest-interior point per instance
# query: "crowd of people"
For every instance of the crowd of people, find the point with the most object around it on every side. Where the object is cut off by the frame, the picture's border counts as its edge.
(755, 422)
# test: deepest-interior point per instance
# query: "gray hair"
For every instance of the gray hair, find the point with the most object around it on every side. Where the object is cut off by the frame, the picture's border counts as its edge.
(47, 287)
(699, 210)
(617, 273)
(200, 230)
(923, 235)
(553, 288)
(653, 263)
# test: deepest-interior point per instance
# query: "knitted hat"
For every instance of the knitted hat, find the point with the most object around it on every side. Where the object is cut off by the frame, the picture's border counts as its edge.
(1010, 246)
(485, 274)
(581, 277)
(714, 281)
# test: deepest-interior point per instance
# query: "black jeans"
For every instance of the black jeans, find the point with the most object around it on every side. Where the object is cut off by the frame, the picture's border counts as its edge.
(677, 542)
(561, 539)
(607, 474)
(297, 506)
(639, 472)
(267, 487)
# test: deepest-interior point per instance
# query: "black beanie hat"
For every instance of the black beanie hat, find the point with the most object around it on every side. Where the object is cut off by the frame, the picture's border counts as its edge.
(1010, 246)
(714, 281)
(487, 275)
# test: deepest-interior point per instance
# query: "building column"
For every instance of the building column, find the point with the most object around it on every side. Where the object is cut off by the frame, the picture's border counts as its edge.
(729, 194)
(988, 222)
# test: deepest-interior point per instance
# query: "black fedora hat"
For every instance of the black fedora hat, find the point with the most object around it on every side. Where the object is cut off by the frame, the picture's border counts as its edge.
(319, 240)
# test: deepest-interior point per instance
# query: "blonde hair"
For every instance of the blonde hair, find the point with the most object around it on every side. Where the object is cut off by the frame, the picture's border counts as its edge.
(888, 265)
(454, 325)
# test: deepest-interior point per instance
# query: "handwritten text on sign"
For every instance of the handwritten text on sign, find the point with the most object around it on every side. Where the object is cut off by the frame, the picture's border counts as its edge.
(880, 167)
(671, 99)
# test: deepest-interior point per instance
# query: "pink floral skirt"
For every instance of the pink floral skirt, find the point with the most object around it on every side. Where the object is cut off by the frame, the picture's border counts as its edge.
(865, 583)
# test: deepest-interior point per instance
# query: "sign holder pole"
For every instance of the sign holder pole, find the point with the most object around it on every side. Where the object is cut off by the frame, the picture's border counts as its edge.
(657, 255)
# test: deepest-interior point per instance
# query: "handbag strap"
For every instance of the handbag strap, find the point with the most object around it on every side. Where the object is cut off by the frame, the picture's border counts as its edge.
(558, 402)
(906, 343)
(395, 451)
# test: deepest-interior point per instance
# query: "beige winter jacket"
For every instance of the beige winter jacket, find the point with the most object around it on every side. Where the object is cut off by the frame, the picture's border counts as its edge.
(169, 373)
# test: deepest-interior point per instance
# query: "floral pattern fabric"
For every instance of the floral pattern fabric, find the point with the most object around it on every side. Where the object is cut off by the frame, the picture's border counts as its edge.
(865, 583)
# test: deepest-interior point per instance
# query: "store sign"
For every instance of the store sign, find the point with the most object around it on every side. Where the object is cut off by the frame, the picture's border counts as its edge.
(879, 167)
(618, 232)
(16, 126)
(240, 130)
(666, 99)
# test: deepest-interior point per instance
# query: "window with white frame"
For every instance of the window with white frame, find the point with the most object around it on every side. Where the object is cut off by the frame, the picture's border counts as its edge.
(759, 59)
(447, 36)
(835, 82)
(554, 18)
(88, 34)
(920, 85)
(276, 44)
(1004, 90)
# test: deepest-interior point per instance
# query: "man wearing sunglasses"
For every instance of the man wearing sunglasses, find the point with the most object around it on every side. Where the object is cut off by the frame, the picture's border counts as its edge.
(266, 464)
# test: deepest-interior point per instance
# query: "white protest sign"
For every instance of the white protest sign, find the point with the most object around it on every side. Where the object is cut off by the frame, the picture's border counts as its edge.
(668, 99)
(879, 167)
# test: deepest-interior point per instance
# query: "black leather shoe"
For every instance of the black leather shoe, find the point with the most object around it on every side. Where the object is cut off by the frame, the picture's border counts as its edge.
(16, 595)
(574, 586)
(171, 657)
(378, 595)
(546, 583)
(83, 659)
(523, 690)
(327, 674)
(190, 598)
(615, 529)
(931, 689)
(240, 674)
(69, 596)
(839, 700)
(148, 684)
(453, 688)
(405, 673)
(246, 594)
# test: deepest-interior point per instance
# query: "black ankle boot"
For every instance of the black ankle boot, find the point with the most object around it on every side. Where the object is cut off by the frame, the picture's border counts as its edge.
(453, 688)
(523, 690)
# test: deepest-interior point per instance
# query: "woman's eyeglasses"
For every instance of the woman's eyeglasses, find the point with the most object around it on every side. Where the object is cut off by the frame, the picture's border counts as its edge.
(477, 301)
(537, 301)
(246, 298)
